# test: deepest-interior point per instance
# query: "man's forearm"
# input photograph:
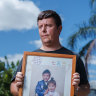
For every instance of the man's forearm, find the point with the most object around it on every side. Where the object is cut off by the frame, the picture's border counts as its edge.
(14, 89)
(83, 90)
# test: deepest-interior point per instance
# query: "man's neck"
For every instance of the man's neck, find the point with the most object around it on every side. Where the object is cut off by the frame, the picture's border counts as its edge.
(51, 47)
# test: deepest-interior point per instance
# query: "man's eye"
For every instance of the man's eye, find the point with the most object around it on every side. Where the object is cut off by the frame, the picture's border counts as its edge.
(40, 26)
(49, 25)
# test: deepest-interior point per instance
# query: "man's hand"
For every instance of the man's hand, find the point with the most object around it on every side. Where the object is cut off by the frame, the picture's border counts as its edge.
(17, 83)
(81, 90)
(76, 80)
(19, 79)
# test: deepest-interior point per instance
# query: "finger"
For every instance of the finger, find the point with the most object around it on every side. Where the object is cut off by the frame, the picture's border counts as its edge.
(76, 82)
(76, 73)
(19, 76)
(19, 73)
(19, 84)
(76, 76)
(18, 79)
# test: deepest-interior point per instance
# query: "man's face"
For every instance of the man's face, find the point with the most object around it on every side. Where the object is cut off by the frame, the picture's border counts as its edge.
(46, 77)
(49, 33)
(51, 87)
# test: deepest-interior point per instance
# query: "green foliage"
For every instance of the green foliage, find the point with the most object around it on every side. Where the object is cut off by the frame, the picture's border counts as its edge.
(6, 72)
(2, 66)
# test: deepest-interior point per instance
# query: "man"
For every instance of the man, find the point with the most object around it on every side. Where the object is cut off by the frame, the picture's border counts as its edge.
(42, 85)
(50, 26)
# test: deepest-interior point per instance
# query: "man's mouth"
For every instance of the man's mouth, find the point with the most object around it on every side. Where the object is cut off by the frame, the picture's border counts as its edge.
(44, 36)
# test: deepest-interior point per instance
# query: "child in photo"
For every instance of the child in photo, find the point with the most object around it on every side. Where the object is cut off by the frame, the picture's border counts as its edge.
(51, 88)
(42, 85)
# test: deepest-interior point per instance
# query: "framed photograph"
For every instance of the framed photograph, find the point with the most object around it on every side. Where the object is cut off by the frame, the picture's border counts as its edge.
(47, 74)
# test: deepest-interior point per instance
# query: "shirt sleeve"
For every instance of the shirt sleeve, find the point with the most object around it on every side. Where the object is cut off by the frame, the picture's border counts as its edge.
(18, 70)
(80, 68)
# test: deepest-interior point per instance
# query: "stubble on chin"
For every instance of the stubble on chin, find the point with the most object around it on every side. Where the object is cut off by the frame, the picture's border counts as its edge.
(47, 43)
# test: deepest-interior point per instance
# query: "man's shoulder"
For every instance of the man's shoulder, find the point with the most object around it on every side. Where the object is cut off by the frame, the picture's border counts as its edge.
(69, 52)
(37, 50)
(65, 50)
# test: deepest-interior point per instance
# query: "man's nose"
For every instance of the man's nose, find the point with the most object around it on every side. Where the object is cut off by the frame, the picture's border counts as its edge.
(44, 28)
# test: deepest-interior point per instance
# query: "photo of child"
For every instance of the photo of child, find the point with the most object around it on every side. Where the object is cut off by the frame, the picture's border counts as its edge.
(47, 77)
(51, 88)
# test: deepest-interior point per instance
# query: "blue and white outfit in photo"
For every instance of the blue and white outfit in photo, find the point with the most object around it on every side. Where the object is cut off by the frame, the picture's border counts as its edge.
(41, 88)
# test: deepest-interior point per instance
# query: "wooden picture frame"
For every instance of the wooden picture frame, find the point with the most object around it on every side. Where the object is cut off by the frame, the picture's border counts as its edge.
(61, 66)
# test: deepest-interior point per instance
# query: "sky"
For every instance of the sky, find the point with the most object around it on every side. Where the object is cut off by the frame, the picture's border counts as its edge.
(18, 26)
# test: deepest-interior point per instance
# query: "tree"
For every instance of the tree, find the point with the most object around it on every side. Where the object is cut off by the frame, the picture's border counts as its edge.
(6, 72)
(85, 32)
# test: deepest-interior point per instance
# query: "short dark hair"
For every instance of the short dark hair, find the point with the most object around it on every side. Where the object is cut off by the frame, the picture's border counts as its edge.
(46, 71)
(52, 81)
(50, 13)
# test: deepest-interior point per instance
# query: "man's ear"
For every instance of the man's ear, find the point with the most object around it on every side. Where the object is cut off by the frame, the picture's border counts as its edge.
(59, 29)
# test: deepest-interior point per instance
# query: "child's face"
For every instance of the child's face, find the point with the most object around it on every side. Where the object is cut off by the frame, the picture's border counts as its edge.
(51, 87)
(46, 77)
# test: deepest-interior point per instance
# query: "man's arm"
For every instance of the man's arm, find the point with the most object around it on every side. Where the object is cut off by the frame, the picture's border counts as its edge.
(16, 84)
(84, 87)
(83, 90)
(14, 89)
